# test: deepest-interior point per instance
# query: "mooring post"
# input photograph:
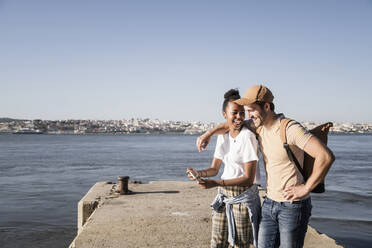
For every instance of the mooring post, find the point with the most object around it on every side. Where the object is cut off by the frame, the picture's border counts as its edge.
(123, 185)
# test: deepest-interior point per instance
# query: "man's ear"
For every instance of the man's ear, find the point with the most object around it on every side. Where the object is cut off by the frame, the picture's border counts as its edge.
(267, 106)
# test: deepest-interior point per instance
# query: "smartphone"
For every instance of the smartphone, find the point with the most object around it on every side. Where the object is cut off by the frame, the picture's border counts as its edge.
(194, 176)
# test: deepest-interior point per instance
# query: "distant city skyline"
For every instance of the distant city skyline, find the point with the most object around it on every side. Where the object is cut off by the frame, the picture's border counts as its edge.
(174, 60)
(140, 126)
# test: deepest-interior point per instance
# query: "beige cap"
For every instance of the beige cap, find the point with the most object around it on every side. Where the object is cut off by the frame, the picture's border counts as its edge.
(257, 93)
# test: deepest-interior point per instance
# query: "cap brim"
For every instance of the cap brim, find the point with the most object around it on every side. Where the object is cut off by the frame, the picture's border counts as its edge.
(244, 101)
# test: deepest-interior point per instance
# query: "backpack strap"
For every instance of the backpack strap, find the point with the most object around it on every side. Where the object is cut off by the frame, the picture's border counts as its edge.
(283, 136)
(283, 129)
(258, 130)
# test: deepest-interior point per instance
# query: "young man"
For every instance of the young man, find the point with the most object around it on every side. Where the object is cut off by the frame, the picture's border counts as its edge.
(287, 207)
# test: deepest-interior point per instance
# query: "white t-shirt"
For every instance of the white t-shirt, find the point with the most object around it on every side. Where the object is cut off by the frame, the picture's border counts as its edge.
(234, 152)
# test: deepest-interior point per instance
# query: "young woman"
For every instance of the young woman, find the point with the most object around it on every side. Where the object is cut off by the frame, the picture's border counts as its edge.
(237, 208)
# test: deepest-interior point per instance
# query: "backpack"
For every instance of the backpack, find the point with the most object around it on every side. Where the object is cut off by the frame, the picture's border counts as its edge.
(321, 132)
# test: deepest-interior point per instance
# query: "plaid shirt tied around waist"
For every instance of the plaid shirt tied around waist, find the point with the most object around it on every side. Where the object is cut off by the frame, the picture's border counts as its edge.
(250, 198)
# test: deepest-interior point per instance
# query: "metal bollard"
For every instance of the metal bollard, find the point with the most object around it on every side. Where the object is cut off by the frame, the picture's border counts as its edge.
(123, 185)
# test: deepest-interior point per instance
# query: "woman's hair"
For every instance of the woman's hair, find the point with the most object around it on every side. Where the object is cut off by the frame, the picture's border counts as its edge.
(229, 96)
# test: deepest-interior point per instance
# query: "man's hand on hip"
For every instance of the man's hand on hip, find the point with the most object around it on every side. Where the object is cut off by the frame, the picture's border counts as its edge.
(295, 193)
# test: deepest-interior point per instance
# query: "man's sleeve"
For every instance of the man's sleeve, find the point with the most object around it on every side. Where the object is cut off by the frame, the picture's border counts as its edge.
(250, 151)
(219, 151)
(297, 135)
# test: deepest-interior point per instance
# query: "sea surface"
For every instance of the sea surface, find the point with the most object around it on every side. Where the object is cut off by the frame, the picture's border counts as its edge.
(42, 178)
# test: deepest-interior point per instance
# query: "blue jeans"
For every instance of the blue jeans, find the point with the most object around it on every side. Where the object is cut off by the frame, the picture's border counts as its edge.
(284, 223)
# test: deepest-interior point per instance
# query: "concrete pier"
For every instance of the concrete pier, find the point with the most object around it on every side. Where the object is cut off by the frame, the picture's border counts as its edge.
(158, 214)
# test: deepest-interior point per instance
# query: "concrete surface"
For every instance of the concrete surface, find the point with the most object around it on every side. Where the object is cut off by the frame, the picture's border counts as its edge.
(95, 196)
(158, 214)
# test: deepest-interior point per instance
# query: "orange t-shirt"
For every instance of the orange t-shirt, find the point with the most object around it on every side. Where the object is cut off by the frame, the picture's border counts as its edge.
(280, 171)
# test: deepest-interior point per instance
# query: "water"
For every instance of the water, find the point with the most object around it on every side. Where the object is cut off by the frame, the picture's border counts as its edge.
(344, 211)
(42, 177)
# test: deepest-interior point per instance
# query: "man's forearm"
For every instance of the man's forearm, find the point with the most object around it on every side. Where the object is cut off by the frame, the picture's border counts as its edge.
(322, 164)
(203, 140)
(323, 159)
(221, 128)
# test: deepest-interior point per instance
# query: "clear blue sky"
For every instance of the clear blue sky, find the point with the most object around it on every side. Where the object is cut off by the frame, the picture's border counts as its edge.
(175, 59)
